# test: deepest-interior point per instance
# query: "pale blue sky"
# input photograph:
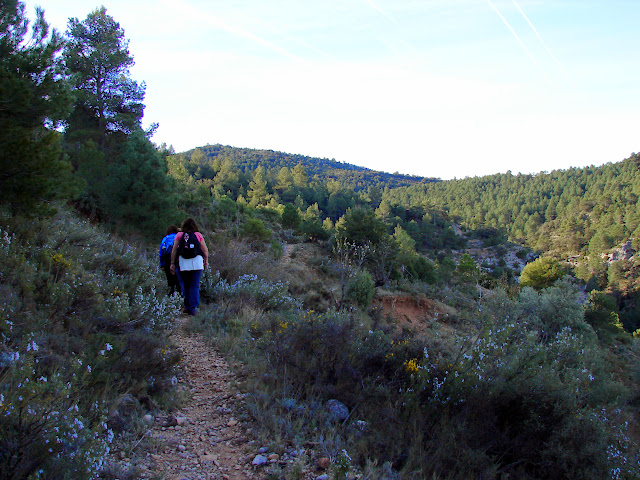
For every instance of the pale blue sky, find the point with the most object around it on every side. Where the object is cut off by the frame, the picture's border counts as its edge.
(439, 88)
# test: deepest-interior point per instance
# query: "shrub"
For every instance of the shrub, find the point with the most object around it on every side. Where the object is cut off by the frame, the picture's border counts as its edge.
(83, 311)
(44, 428)
(541, 273)
(255, 229)
(360, 289)
(527, 395)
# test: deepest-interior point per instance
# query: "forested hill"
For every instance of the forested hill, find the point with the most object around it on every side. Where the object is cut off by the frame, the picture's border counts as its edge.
(201, 163)
(581, 211)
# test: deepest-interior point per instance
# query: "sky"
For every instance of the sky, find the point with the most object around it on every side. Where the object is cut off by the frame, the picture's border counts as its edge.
(435, 88)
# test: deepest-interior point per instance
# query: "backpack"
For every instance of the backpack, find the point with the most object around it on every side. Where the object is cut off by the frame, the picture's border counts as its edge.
(165, 250)
(189, 246)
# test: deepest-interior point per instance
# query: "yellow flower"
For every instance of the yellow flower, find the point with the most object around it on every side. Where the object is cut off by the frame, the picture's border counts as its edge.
(411, 366)
(59, 259)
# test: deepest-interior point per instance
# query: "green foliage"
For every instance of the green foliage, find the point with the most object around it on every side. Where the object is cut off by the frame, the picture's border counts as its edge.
(467, 268)
(360, 289)
(541, 273)
(360, 226)
(43, 432)
(528, 394)
(290, 217)
(83, 322)
(250, 289)
(224, 212)
(603, 315)
(422, 269)
(35, 101)
(138, 191)
(97, 58)
(313, 229)
(255, 229)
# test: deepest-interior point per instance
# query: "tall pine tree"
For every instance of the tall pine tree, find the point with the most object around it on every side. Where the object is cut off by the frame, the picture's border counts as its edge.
(33, 102)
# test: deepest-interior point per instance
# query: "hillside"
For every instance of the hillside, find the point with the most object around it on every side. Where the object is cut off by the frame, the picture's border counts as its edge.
(247, 160)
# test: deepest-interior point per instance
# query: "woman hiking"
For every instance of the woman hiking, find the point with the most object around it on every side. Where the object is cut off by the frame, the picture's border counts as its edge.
(166, 246)
(191, 253)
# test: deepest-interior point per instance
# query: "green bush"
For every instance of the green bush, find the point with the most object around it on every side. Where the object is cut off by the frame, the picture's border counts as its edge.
(541, 273)
(254, 228)
(360, 289)
(46, 430)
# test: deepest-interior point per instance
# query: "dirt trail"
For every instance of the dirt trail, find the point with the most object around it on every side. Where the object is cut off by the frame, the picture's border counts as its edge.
(204, 440)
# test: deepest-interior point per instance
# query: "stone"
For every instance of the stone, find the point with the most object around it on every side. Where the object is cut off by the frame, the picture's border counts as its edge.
(259, 460)
(182, 448)
(273, 456)
(210, 458)
(323, 477)
(338, 411)
(182, 421)
(148, 419)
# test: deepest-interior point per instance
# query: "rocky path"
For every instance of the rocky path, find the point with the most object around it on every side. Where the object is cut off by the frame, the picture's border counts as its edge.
(204, 440)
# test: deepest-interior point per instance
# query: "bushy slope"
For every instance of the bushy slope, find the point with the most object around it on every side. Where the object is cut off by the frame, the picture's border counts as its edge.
(83, 322)
(479, 384)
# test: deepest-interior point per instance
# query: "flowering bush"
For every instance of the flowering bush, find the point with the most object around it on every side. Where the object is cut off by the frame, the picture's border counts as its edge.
(251, 289)
(526, 394)
(82, 321)
(44, 430)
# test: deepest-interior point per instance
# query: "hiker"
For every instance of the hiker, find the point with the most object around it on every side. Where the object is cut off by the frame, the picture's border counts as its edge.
(191, 255)
(166, 246)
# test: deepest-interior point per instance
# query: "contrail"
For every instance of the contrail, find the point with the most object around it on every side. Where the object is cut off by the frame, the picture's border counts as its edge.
(524, 47)
(382, 12)
(541, 40)
(218, 23)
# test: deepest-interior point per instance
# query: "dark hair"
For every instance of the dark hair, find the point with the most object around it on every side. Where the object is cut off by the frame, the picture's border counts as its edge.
(189, 225)
(172, 229)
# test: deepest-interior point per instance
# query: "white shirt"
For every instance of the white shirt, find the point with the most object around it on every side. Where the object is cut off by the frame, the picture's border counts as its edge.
(195, 263)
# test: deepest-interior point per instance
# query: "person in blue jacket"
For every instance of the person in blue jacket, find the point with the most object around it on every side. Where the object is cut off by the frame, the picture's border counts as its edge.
(165, 260)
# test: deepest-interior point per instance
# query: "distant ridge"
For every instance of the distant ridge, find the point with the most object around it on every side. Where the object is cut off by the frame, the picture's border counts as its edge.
(358, 178)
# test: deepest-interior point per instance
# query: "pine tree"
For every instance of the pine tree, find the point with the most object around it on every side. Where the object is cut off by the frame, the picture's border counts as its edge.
(138, 190)
(97, 58)
(34, 100)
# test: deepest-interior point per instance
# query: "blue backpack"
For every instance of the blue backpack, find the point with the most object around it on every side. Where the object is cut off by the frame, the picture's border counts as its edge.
(165, 249)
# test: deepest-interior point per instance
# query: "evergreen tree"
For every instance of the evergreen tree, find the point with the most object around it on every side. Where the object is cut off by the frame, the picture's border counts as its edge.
(290, 217)
(34, 101)
(257, 193)
(138, 190)
(97, 58)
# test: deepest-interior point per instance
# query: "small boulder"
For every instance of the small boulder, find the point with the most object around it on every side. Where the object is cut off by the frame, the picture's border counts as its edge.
(260, 460)
(338, 411)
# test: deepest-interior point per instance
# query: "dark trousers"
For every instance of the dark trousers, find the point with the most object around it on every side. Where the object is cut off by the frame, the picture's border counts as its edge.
(191, 283)
(173, 281)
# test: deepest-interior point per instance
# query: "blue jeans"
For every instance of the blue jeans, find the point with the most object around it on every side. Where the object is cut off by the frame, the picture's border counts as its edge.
(191, 290)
